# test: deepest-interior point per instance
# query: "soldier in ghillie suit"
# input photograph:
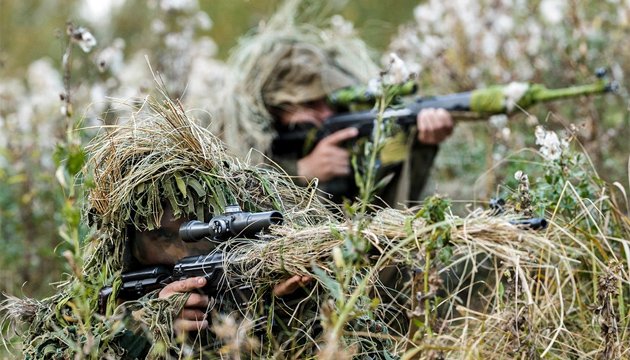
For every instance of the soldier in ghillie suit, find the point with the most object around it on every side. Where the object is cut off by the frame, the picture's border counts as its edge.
(148, 176)
(281, 76)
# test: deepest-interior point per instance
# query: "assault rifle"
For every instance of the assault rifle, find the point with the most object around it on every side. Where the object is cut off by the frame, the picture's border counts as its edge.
(234, 223)
(473, 105)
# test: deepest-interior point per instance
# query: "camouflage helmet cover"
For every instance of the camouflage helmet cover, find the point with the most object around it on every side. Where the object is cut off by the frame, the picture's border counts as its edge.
(303, 73)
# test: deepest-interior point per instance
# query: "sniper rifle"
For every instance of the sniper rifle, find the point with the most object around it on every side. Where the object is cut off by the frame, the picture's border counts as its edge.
(477, 104)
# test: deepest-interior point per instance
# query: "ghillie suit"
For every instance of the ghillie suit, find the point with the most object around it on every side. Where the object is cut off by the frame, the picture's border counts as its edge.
(157, 157)
(293, 59)
(321, 62)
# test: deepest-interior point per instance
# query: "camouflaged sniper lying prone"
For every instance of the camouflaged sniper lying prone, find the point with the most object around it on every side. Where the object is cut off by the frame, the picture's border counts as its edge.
(477, 104)
(234, 223)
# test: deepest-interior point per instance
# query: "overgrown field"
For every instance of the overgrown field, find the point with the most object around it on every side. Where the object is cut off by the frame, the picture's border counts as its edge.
(482, 286)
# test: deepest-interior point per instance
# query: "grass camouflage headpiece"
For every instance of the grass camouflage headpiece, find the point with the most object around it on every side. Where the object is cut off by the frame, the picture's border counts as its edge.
(303, 73)
(166, 158)
(288, 59)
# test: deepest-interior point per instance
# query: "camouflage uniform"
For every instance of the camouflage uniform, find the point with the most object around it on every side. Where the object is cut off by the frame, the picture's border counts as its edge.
(285, 63)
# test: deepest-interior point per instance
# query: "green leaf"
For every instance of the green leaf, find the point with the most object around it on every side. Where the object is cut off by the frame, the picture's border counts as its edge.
(181, 185)
(445, 254)
(59, 154)
(76, 159)
(196, 185)
(329, 283)
(71, 214)
(169, 193)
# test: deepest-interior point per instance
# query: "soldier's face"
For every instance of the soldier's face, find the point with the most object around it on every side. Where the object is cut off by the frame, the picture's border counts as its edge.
(163, 246)
(313, 112)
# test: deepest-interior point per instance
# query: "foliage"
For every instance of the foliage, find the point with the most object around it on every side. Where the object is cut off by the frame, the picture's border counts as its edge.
(483, 288)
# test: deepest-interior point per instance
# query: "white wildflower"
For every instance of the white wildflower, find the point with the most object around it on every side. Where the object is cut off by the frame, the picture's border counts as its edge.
(176, 41)
(414, 68)
(44, 80)
(99, 13)
(206, 78)
(158, 26)
(82, 37)
(375, 86)
(534, 37)
(550, 145)
(98, 97)
(513, 93)
(498, 121)
(341, 26)
(398, 72)
(111, 58)
(425, 15)
(203, 20)
(134, 78)
(552, 10)
(512, 50)
(431, 45)
(179, 5)
(518, 175)
(490, 44)
(503, 24)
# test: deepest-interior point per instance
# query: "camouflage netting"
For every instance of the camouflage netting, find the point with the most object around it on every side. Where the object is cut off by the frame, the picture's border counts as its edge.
(288, 59)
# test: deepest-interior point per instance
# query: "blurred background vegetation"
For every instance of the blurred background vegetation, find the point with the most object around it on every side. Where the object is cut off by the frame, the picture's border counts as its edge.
(455, 47)
(31, 29)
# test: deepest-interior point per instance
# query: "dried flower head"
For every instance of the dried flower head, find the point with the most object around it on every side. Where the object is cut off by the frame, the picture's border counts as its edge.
(82, 37)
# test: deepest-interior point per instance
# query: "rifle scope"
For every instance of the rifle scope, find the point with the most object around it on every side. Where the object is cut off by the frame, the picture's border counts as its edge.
(233, 223)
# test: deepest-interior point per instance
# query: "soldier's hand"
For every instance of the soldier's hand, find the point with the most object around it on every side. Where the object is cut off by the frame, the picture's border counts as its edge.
(434, 126)
(328, 160)
(193, 315)
(291, 284)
